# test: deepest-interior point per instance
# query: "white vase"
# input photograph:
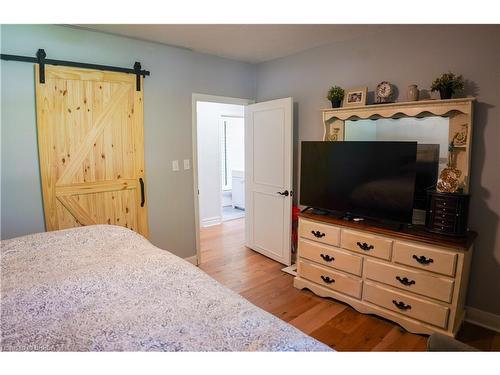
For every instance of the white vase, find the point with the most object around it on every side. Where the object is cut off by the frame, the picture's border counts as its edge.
(412, 93)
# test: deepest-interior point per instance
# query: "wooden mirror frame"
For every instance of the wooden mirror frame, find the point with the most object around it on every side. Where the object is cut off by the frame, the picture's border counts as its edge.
(458, 111)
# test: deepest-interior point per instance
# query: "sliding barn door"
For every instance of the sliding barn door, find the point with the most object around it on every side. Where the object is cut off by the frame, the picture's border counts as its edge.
(90, 140)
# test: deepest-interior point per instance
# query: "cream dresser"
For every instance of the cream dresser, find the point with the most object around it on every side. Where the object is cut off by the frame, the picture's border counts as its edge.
(416, 279)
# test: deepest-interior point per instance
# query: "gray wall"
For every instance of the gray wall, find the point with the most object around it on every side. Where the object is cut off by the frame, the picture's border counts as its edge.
(406, 55)
(175, 74)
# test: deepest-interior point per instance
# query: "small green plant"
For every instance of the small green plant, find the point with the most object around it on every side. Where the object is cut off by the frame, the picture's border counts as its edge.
(335, 93)
(448, 82)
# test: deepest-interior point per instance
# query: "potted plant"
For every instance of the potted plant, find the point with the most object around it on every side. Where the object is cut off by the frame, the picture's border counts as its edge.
(448, 84)
(335, 95)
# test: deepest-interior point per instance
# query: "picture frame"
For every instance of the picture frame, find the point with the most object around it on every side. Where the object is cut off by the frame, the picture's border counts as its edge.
(355, 97)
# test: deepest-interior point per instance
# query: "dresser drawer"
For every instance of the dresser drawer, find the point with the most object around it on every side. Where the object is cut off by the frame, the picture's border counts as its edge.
(367, 244)
(414, 281)
(330, 257)
(319, 232)
(426, 258)
(410, 306)
(330, 279)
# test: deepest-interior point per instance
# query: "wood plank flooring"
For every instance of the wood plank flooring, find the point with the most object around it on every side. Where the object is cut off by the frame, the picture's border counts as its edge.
(261, 281)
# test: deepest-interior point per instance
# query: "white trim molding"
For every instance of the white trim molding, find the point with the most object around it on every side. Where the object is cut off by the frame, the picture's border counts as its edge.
(209, 221)
(482, 318)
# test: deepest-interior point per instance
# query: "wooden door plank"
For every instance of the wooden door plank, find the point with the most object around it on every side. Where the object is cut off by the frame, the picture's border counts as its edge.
(78, 212)
(95, 187)
(48, 172)
(91, 137)
(83, 74)
(138, 135)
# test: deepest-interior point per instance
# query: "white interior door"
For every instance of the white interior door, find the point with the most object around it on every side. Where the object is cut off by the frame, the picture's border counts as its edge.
(268, 175)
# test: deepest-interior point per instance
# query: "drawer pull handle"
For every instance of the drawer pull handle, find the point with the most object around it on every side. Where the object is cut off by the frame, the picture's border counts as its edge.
(401, 305)
(423, 260)
(364, 246)
(317, 234)
(405, 281)
(327, 279)
(327, 258)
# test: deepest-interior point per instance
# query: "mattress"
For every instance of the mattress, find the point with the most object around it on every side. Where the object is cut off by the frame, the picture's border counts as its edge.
(106, 288)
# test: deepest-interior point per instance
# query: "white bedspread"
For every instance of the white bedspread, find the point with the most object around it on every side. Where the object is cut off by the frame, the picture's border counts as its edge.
(106, 288)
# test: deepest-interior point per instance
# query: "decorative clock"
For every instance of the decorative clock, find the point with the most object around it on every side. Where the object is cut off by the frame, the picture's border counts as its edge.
(384, 93)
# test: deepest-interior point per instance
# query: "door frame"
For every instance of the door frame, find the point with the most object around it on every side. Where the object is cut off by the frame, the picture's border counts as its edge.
(197, 97)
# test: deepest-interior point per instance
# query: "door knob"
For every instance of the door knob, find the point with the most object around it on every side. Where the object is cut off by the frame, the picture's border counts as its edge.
(284, 193)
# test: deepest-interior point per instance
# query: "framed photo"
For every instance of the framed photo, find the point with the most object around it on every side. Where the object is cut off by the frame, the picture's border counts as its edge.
(355, 97)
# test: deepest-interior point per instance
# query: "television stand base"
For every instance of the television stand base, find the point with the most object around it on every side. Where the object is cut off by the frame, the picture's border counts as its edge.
(315, 211)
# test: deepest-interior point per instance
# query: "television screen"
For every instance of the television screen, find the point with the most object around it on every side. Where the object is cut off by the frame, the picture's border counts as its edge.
(368, 179)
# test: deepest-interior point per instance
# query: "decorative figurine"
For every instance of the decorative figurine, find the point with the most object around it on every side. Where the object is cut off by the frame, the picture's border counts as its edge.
(449, 178)
(460, 138)
(334, 135)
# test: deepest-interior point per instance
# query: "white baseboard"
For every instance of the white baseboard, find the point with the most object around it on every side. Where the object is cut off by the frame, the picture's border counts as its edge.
(192, 260)
(209, 221)
(482, 318)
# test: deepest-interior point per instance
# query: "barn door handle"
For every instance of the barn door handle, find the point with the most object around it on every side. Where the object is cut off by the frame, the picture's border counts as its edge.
(284, 193)
(423, 260)
(143, 199)
(405, 281)
(364, 246)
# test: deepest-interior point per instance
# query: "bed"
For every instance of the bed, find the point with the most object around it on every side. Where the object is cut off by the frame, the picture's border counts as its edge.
(106, 288)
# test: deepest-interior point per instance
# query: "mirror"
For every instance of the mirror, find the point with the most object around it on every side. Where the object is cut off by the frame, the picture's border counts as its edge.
(431, 135)
(428, 130)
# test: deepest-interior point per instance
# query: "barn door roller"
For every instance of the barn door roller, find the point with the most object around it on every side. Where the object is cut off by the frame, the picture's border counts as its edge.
(41, 60)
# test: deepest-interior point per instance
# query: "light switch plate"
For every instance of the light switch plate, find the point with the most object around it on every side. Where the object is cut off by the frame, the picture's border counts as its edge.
(186, 164)
(175, 165)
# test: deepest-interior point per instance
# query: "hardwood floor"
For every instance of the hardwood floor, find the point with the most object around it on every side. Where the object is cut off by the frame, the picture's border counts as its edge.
(261, 281)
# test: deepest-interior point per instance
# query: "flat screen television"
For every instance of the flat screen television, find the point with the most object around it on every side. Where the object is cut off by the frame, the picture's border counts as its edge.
(368, 179)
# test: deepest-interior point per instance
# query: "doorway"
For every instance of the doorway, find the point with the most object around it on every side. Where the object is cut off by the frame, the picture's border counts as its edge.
(242, 165)
(218, 164)
(221, 162)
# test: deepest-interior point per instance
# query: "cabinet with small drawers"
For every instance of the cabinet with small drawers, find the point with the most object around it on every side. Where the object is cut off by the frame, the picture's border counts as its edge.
(447, 213)
(411, 277)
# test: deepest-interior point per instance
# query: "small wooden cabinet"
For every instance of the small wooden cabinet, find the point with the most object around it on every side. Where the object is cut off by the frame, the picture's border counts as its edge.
(447, 213)
(412, 277)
